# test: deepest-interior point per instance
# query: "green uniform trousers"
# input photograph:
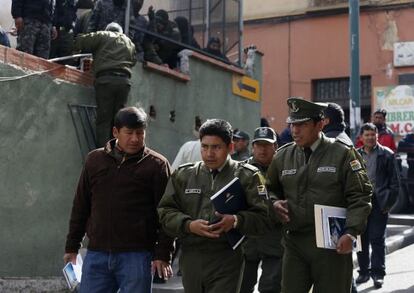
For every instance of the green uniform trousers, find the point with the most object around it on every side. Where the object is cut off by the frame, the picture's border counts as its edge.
(305, 265)
(211, 271)
(270, 278)
(111, 95)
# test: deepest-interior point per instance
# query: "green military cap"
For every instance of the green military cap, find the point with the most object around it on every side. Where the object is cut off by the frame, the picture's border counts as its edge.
(301, 110)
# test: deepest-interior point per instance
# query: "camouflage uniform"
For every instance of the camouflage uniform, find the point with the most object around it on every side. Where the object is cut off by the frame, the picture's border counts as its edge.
(34, 38)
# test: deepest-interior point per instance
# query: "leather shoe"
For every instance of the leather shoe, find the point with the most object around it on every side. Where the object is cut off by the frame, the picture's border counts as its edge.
(362, 279)
(378, 281)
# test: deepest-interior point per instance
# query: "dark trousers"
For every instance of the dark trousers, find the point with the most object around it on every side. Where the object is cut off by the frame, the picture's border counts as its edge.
(305, 265)
(211, 271)
(111, 95)
(63, 46)
(374, 235)
(270, 280)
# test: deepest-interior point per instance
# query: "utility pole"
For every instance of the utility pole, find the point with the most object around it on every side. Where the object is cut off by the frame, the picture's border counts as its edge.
(127, 17)
(241, 29)
(355, 81)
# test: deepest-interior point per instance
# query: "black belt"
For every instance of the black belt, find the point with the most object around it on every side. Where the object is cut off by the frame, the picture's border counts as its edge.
(114, 73)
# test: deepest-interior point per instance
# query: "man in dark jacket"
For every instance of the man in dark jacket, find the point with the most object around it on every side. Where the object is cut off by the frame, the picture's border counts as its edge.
(113, 57)
(334, 123)
(115, 204)
(156, 50)
(65, 18)
(33, 20)
(383, 175)
(214, 48)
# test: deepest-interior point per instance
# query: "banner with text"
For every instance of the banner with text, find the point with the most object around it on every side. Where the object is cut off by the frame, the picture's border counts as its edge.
(399, 103)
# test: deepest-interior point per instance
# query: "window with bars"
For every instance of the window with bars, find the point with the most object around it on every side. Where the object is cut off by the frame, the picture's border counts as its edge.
(336, 90)
(83, 118)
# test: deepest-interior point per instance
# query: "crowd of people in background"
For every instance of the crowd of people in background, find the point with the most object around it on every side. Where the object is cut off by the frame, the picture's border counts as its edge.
(48, 29)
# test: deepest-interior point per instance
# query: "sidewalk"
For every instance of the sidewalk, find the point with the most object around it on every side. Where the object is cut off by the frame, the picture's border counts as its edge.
(400, 273)
(399, 237)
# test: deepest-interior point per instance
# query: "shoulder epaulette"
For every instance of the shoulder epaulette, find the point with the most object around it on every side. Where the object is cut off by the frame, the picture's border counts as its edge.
(186, 165)
(250, 167)
(342, 141)
(285, 145)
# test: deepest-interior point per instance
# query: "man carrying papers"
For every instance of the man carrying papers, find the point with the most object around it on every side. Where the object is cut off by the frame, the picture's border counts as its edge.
(313, 170)
(208, 262)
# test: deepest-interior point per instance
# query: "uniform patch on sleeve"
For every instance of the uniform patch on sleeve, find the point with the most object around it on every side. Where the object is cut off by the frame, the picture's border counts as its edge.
(355, 165)
(261, 190)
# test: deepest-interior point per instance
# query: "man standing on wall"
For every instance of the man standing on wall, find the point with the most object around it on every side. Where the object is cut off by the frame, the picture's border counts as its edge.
(383, 174)
(115, 204)
(33, 20)
(113, 57)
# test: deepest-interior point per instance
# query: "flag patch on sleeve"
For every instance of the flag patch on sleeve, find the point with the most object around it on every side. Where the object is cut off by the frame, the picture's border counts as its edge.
(261, 189)
(355, 165)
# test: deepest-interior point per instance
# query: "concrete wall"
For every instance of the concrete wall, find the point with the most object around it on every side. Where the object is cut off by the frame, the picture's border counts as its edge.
(299, 51)
(41, 162)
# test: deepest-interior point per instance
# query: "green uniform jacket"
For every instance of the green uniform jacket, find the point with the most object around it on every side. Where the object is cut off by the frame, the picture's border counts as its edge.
(110, 50)
(334, 176)
(187, 198)
(270, 243)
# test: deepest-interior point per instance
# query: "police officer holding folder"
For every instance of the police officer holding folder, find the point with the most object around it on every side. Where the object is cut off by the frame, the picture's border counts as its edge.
(313, 170)
(207, 262)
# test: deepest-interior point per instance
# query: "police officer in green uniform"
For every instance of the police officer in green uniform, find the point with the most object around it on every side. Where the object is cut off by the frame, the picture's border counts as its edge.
(113, 58)
(207, 262)
(313, 170)
(266, 249)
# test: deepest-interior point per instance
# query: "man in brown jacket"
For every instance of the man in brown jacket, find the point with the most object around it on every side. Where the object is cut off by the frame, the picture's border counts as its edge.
(115, 204)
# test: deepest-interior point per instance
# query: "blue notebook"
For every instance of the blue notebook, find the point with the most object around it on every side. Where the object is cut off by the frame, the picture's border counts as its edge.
(230, 200)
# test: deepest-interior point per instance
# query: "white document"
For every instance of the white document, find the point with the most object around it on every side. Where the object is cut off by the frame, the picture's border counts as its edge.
(330, 226)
